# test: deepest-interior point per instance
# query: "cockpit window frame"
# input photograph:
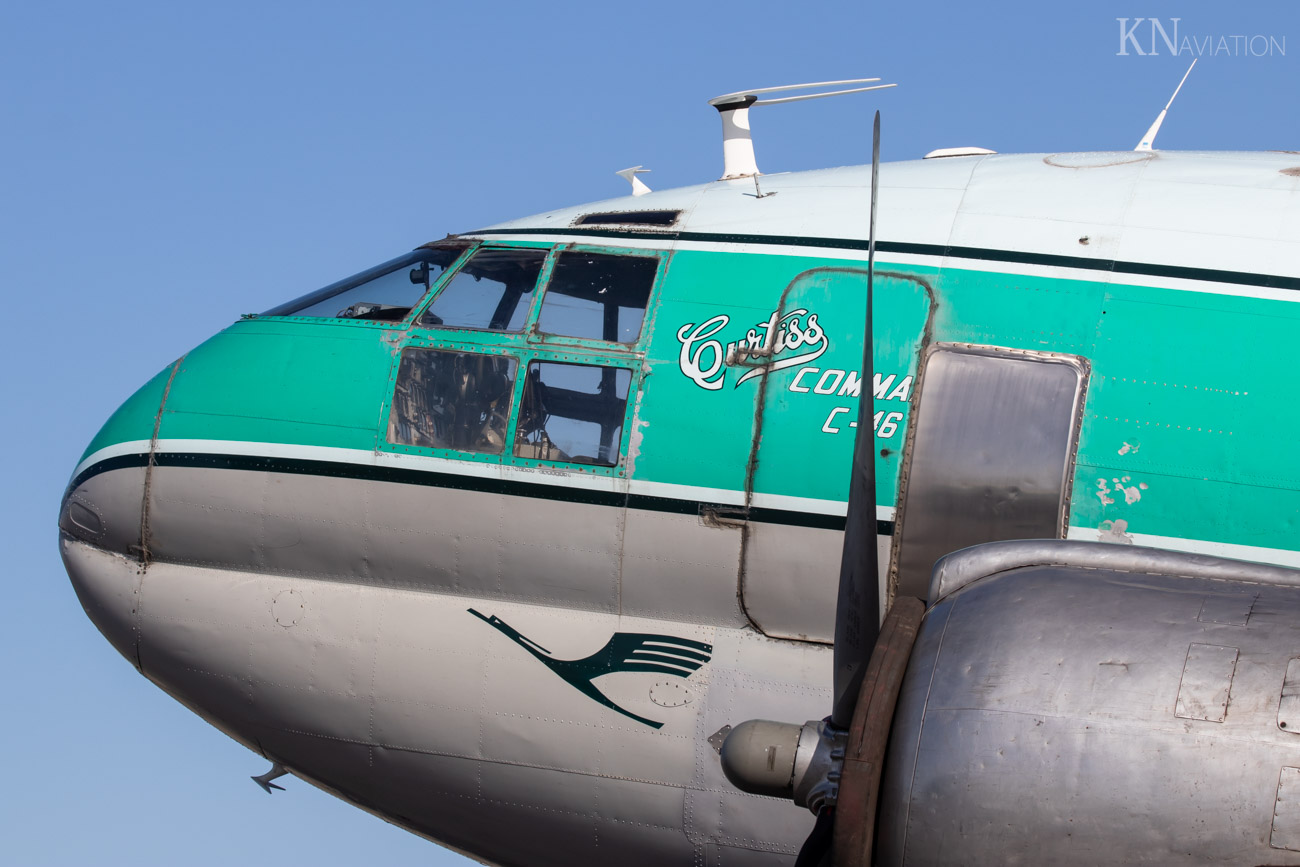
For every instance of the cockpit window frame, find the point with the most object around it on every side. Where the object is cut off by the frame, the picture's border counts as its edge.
(533, 329)
(445, 280)
(418, 342)
(523, 355)
(339, 287)
(530, 334)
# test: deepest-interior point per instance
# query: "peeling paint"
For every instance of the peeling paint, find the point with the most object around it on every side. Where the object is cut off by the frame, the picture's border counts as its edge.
(1115, 532)
(634, 442)
(1129, 447)
(1132, 493)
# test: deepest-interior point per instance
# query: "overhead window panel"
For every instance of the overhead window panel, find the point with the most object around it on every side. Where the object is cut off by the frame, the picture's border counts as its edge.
(629, 218)
(598, 296)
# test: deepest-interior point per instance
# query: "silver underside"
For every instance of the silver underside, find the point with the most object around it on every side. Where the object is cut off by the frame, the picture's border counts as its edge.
(325, 623)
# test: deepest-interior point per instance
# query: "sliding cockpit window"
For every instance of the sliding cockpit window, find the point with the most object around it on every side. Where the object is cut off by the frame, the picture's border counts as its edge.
(597, 296)
(572, 413)
(492, 291)
(385, 293)
(452, 400)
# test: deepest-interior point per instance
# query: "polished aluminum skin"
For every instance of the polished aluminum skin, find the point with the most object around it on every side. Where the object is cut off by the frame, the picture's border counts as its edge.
(990, 454)
(294, 632)
(1078, 704)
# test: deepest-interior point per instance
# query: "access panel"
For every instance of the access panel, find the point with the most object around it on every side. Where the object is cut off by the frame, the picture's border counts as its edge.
(990, 454)
(809, 381)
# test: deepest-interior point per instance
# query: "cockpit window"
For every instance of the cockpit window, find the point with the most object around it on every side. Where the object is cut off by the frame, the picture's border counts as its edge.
(492, 292)
(452, 400)
(385, 293)
(598, 296)
(572, 412)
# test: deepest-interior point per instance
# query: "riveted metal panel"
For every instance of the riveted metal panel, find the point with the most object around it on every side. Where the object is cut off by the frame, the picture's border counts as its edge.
(1231, 609)
(1286, 811)
(1207, 681)
(1288, 707)
(1036, 722)
(990, 454)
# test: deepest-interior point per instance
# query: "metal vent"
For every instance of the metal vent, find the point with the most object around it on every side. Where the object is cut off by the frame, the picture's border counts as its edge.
(629, 218)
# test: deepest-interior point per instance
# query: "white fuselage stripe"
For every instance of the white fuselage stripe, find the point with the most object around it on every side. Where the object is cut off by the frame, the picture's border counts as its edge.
(451, 466)
(1252, 553)
(1277, 556)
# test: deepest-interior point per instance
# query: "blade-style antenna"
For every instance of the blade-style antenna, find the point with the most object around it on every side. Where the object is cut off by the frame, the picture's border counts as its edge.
(630, 175)
(857, 612)
(1150, 138)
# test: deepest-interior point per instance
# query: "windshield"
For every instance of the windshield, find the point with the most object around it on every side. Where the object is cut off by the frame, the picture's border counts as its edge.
(384, 293)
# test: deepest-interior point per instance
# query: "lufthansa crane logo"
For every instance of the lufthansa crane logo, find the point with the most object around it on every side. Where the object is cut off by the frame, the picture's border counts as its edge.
(625, 651)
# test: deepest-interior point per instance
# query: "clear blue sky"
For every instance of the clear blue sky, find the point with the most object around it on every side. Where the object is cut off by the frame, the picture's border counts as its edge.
(165, 167)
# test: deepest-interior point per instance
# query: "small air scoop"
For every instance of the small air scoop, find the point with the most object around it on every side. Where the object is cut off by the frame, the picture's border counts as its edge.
(956, 152)
(737, 143)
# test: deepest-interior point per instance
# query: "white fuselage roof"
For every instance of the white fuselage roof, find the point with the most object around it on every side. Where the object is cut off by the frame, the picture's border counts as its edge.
(1224, 210)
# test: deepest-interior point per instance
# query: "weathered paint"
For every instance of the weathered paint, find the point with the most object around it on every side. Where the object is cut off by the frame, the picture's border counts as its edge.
(1205, 419)
(271, 475)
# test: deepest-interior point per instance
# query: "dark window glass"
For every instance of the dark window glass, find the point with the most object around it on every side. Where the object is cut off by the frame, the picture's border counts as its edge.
(572, 412)
(452, 400)
(598, 296)
(490, 293)
(384, 293)
(630, 218)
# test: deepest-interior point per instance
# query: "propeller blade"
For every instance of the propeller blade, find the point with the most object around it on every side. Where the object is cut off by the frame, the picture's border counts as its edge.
(807, 763)
(857, 610)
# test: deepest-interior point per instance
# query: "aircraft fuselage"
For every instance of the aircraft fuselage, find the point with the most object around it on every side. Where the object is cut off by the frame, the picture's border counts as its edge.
(509, 562)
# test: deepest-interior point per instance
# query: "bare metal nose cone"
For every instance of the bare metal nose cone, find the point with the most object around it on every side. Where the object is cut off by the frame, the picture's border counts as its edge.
(104, 509)
(99, 538)
(108, 586)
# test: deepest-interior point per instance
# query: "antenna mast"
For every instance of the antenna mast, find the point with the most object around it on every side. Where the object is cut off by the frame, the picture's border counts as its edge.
(1150, 137)
(737, 142)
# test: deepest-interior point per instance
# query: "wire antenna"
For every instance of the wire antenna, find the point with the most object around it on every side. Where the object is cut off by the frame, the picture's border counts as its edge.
(737, 141)
(1150, 138)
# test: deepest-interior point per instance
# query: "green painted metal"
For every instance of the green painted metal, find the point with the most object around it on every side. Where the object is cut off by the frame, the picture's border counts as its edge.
(1183, 433)
(311, 382)
(134, 419)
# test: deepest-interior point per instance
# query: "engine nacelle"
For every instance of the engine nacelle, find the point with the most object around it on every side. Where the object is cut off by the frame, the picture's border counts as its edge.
(1073, 703)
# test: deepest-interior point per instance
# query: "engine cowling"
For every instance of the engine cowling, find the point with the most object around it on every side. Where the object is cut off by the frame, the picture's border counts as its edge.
(1074, 703)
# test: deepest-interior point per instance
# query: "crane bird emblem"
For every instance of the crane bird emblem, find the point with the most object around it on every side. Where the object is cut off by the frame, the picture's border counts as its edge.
(625, 651)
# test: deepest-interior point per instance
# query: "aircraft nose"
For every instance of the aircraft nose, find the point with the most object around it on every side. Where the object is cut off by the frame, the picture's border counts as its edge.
(99, 539)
